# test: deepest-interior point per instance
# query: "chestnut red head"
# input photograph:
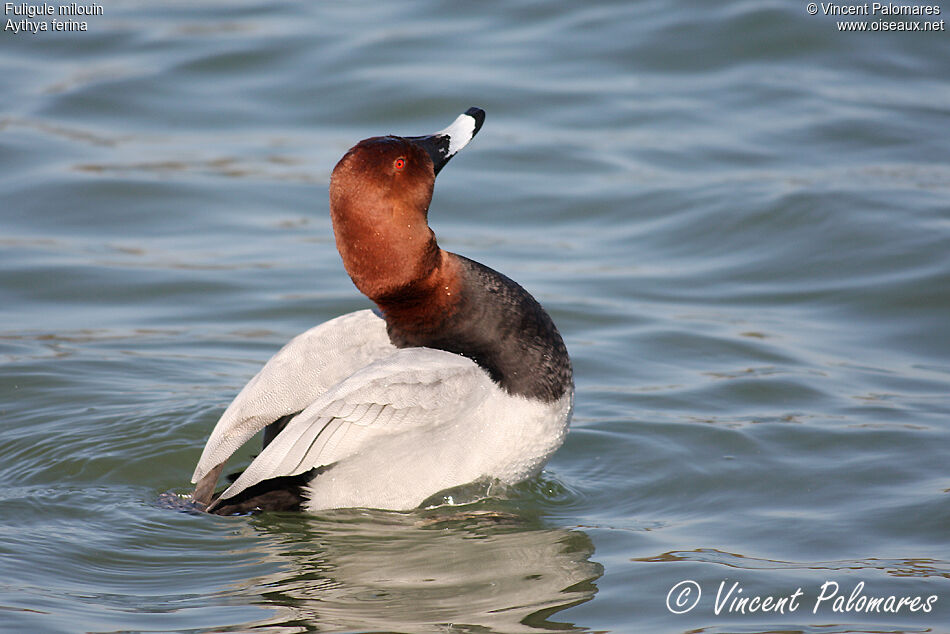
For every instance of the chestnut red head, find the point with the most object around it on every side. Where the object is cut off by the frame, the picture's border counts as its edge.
(379, 200)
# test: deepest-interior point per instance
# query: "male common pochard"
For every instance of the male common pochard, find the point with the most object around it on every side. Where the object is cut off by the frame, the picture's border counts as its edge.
(458, 376)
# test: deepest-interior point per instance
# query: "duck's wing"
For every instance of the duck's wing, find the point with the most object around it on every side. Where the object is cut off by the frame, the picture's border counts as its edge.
(299, 374)
(411, 389)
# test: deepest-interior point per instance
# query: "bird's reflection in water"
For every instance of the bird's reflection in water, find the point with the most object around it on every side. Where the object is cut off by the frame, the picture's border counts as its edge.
(443, 570)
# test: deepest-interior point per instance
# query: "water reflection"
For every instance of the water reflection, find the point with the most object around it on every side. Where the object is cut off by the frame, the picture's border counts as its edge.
(479, 571)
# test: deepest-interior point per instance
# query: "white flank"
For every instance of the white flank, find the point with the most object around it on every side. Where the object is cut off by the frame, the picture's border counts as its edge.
(398, 425)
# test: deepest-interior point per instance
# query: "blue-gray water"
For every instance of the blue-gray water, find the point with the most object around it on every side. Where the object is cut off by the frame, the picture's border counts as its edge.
(738, 216)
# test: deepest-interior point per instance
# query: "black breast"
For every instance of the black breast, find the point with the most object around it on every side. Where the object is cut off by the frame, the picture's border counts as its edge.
(501, 327)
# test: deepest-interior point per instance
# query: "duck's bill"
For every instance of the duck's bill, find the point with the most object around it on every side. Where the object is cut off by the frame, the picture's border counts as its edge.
(444, 144)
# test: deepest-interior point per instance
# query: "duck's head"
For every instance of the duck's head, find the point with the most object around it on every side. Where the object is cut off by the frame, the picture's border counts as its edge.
(379, 201)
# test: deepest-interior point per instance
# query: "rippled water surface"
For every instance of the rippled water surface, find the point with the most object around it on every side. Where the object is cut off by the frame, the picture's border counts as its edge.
(738, 216)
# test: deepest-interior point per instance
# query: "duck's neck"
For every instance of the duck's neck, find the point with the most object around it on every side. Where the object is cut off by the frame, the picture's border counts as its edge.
(424, 304)
(469, 309)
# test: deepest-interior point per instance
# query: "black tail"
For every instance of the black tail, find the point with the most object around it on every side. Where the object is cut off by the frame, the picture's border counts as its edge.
(277, 494)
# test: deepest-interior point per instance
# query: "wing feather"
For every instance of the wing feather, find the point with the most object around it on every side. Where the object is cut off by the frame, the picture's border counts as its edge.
(411, 389)
(302, 371)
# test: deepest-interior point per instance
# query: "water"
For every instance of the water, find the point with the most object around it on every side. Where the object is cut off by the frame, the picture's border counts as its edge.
(737, 215)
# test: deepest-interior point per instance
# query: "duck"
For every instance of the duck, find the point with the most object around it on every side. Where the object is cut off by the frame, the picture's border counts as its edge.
(456, 375)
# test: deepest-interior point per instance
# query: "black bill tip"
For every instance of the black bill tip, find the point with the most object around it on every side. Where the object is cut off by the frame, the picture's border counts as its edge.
(445, 143)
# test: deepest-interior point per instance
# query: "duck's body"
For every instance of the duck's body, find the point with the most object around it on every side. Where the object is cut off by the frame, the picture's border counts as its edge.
(460, 376)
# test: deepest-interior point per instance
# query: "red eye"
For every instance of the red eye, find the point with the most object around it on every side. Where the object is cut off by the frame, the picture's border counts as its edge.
(399, 163)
